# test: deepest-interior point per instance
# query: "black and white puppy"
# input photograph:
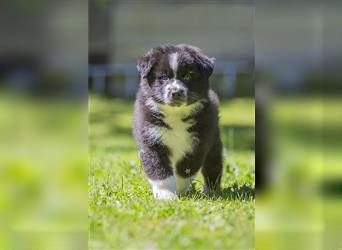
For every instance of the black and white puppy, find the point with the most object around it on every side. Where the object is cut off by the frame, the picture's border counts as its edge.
(176, 120)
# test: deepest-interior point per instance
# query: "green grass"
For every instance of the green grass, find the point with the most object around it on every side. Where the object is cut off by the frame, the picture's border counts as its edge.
(123, 213)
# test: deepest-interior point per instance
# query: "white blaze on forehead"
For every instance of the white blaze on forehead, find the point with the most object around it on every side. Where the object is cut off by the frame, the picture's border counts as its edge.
(173, 61)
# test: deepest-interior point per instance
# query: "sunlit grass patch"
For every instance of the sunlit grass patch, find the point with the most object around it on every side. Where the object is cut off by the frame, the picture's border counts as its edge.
(123, 213)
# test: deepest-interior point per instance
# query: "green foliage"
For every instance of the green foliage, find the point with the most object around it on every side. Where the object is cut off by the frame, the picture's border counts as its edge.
(123, 213)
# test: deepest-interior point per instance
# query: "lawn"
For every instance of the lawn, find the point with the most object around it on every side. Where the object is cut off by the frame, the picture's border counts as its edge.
(122, 211)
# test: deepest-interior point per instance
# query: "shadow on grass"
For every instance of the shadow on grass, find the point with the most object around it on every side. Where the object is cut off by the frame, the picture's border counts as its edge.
(235, 192)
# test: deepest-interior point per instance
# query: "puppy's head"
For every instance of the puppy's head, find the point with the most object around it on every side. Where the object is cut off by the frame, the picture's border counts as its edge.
(175, 75)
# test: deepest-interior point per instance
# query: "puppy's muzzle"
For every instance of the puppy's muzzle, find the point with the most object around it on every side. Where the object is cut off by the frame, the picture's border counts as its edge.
(177, 94)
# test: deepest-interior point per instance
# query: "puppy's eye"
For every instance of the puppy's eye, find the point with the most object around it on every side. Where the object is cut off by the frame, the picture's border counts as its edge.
(163, 77)
(188, 76)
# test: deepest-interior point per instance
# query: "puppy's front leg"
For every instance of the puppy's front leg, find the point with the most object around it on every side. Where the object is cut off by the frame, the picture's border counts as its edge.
(157, 167)
(165, 189)
(212, 168)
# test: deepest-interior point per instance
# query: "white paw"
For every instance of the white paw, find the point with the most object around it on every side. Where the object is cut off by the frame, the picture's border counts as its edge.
(165, 189)
(163, 194)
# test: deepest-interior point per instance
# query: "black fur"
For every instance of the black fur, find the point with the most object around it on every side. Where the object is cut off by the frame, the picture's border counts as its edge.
(155, 156)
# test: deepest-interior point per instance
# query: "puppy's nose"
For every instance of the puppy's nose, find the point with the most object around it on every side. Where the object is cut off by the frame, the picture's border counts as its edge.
(177, 93)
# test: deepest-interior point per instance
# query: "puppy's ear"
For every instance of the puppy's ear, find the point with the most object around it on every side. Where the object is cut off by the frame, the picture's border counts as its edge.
(205, 64)
(145, 64)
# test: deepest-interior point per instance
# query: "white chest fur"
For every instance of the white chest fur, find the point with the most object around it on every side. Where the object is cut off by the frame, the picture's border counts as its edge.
(177, 138)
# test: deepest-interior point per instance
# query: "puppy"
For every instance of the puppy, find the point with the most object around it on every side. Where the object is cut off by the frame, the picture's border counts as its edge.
(176, 120)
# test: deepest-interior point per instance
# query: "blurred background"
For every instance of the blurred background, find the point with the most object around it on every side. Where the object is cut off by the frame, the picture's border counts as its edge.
(43, 124)
(298, 58)
(120, 32)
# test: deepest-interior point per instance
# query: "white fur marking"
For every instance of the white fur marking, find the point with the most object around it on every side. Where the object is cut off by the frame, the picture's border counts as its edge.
(165, 189)
(173, 61)
(178, 139)
(153, 133)
(151, 104)
(175, 86)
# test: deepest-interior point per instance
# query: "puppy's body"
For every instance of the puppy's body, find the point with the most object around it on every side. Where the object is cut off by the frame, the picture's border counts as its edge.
(176, 120)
